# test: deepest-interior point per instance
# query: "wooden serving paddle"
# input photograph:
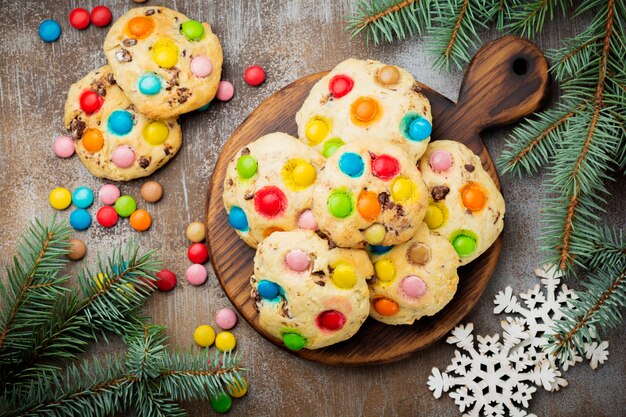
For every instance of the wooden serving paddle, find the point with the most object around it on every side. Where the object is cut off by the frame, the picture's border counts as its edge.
(506, 80)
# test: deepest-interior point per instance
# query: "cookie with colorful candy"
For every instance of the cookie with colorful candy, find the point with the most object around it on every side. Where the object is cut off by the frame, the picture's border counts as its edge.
(361, 100)
(269, 187)
(464, 205)
(308, 295)
(369, 191)
(166, 63)
(414, 279)
(112, 138)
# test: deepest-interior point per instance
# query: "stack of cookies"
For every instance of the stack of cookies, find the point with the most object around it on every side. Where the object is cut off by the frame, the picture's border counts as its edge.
(360, 216)
(123, 116)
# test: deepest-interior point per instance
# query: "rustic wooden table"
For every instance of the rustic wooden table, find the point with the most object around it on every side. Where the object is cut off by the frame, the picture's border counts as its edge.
(289, 39)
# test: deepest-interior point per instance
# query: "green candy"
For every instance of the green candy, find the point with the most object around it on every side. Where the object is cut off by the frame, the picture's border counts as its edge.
(331, 146)
(221, 403)
(294, 341)
(464, 245)
(247, 166)
(125, 206)
(192, 29)
(340, 203)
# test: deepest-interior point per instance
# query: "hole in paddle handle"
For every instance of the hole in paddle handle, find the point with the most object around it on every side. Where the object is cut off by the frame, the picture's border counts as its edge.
(520, 66)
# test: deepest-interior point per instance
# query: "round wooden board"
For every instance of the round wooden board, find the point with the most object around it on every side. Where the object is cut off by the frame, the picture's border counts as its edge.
(377, 343)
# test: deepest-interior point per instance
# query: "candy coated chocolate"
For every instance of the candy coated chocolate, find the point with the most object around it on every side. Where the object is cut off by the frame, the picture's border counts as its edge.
(225, 91)
(108, 194)
(80, 219)
(226, 318)
(198, 253)
(151, 191)
(196, 274)
(64, 147)
(254, 75)
(107, 216)
(78, 249)
(225, 341)
(166, 280)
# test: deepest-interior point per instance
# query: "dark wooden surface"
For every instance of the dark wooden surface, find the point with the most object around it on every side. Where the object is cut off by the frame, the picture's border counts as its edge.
(290, 39)
(506, 81)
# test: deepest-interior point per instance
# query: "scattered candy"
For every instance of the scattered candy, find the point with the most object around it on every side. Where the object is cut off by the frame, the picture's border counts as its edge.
(254, 75)
(225, 91)
(225, 341)
(80, 219)
(419, 254)
(203, 108)
(64, 147)
(402, 189)
(192, 30)
(140, 27)
(197, 253)
(156, 133)
(107, 216)
(226, 318)
(330, 320)
(331, 146)
(464, 245)
(351, 164)
(344, 276)
(420, 129)
(307, 221)
(120, 122)
(166, 280)
(204, 335)
(434, 217)
(123, 156)
(196, 274)
(385, 307)
(316, 131)
(60, 198)
(365, 109)
(90, 102)
(294, 341)
(196, 232)
(340, 203)
(388, 75)
(77, 249)
(151, 191)
(247, 166)
(238, 219)
(375, 234)
(368, 205)
(125, 206)
(92, 140)
(385, 270)
(49, 30)
(221, 403)
(108, 194)
(140, 220)
(473, 198)
(238, 390)
(82, 197)
(101, 16)
(201, 66)
(268, 290)
(340, 85)
(413, 286)
(385, 167)
(79, 18)
(149, 84)
(297, 260)
(270, 201)
(440, 161)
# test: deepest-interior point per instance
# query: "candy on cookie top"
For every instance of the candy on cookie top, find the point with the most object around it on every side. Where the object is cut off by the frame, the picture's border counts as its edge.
(465, 206)
(269, 187)
(361, 100)
(165, 62)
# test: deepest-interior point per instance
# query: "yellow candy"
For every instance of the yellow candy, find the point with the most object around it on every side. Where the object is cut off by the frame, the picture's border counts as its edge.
(155, 133)
(101, 280)
(165, 53)
(385, 270)
(238, 390)
(204, 335)
(225, 341)
(344, 276)
(60, 198)
(304, 174)
(433, 217)
(402, 189)
(316, 131)
(375, 233)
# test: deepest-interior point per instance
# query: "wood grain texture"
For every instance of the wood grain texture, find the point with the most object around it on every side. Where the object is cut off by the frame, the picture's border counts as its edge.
(506, 80)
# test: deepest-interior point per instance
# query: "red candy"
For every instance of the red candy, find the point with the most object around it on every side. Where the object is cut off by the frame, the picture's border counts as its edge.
(79, 18)
(101, 16)
(198, 253)
(270, 201)
(330, 320)
(340, 85)
(107, 216)
(166, 280)
(385, 167)
(254, 75)
(90, 102)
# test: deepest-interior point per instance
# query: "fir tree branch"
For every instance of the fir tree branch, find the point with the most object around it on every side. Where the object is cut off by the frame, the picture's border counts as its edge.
(528, 17)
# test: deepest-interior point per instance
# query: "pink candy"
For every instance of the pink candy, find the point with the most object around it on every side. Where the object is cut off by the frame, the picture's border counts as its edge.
(64, 146)
(226, 318)
(440, 161)
(225, 91)
(307, 221)
(196, 274)
(108, 194)
(297, 260)
(201, 67)
(123, 156)
(413, 286)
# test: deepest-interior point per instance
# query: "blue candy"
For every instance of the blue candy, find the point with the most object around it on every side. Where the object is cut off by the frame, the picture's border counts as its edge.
(150, 84)
(379, 249)
(80, 219)
(237, 219)
(49, 30)
(120, 122)
(351, 164)
(269, 290)
(203, 108)
(82, 197)
(419, 129)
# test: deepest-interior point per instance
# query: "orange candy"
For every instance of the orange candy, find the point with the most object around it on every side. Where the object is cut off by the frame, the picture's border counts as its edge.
(385, 307)
(271, 230)
(473, 198)
(140, 220)
(93, 140)
(365, 109)
(140, 26)
(368, 205)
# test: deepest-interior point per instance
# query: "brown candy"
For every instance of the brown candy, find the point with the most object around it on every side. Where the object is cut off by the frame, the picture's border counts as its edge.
(388, 75)
(419, 254)
(77, 249)
(152, 191)
(196, 232)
